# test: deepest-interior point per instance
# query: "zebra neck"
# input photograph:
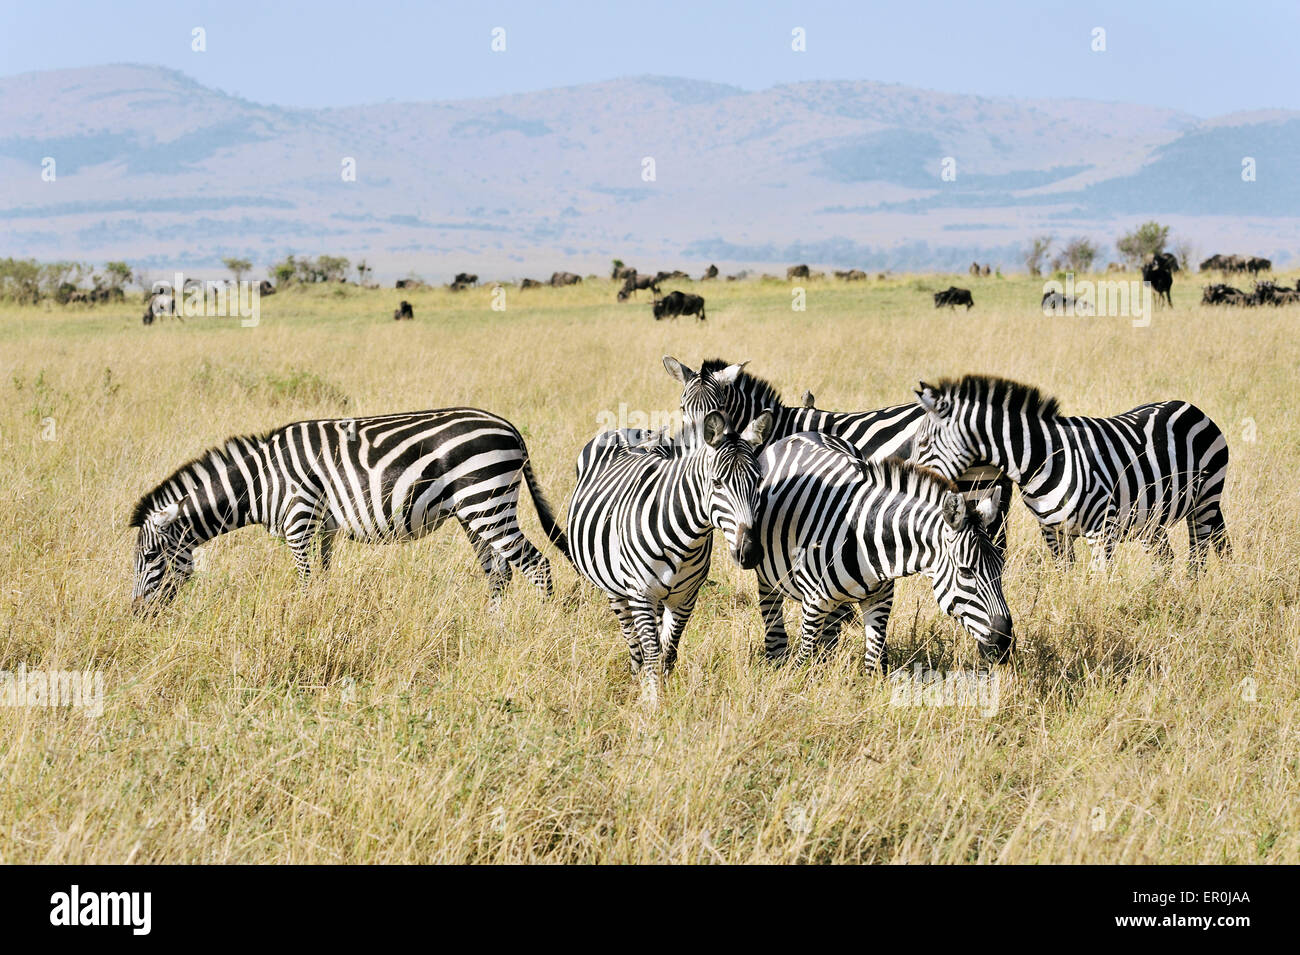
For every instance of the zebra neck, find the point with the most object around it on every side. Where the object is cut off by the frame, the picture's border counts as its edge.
(1042, 451)
(692, 497)
(225, 489)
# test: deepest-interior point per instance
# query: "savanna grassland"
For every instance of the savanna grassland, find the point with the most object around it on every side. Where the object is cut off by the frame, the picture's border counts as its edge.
(385, 716)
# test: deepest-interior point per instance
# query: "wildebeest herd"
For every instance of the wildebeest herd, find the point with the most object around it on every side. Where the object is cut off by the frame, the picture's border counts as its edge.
(828, 508)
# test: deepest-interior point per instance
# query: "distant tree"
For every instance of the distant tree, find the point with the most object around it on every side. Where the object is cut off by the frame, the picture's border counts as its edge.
(117, 274)
(20, 281)
(1078, 256)
(618, 267)
(363, 273)
(238, 267)
(1144, 241)
(1037, 253)
(332, 268)
(284, 272)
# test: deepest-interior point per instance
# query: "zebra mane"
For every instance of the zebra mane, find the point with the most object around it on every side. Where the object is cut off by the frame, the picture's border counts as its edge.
(990, 386)
(760, 391)
(908, 478)
(221, 452)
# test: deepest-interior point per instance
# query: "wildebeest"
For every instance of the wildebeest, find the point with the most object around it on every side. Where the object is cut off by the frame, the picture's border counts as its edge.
(531, 283)
(710, 273)
(1221, 294)
(1255, 265)
(409, 283)
(796, 272)
(953, 296)
(403, 311)
(620, 271)
(1058, 303)
(1159, 273)
(851, 275)
(463, 280)
(674, 274)
(988, 270)
(565, 278)
(1225, 263)
(634, 283)
(266, 288)
(679, 303)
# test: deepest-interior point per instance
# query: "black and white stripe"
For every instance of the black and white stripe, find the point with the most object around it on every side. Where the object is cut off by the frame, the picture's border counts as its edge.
(876, 435)
(641, 526)
(837, 531)
(378, 479)
(1129, 476)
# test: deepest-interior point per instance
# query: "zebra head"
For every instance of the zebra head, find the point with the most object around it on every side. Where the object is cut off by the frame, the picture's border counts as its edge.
(731, 470)
(706, 390)
(967, 575)
(941, 442)
(164, 555)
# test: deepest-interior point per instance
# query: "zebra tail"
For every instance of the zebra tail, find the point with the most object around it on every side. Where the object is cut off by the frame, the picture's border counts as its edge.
(544, 513)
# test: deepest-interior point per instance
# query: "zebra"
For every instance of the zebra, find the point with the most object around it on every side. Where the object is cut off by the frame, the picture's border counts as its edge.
(875, 435)
(836, 530)
(1125, 477)
(887, 432)
(392, 477)
(641, 525)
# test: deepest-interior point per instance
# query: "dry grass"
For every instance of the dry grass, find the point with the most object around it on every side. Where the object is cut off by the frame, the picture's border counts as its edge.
(384, 716)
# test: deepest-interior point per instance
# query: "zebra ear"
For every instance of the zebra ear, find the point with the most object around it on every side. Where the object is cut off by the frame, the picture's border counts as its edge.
(729, 374)
(954, 509)
(987, 508)
(715, 428)
(677, 369)
(168, 514)
(928, 397)
(759, 429)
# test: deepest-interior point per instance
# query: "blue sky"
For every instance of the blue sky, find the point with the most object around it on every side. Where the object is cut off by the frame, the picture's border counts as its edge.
(1201, 57)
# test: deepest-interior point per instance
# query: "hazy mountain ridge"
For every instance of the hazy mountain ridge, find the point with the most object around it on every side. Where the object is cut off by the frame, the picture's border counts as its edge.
(158, 169)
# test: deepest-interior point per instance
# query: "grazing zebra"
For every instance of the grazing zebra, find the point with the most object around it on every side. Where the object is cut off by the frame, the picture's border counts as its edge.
(1105, 479)
(641, 526)
(386, 478)
(836, 530)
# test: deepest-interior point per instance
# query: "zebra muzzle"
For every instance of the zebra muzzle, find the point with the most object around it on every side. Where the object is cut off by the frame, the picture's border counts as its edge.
(748, 552)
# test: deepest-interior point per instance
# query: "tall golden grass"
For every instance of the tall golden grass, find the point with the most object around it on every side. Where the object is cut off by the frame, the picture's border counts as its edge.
(385, 716)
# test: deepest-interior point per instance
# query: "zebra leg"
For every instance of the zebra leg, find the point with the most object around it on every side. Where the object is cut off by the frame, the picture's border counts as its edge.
(875, 619)
(493, 562)
(1102, 543)
(770, 605)
(1059, 543)
(674, 625)
(300, 541)
(1156, 542)
(830, 637)
(814, 618)
(327, 536)
(646, 615)
(1206, 528)
(627, 623)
